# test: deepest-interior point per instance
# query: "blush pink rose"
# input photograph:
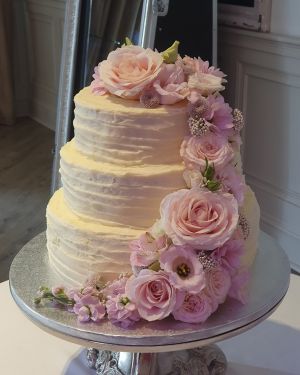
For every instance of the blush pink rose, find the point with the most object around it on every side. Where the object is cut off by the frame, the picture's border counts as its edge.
(129, 70)
(215, 148)
(218, 282)
(153, 294)
(232, 182)
(97, 84)
(200, 218)
(196, 308)
(170, 84)
(146, 249)
(185, 271)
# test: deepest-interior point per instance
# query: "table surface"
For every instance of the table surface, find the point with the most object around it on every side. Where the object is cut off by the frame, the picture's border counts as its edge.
(271, 348)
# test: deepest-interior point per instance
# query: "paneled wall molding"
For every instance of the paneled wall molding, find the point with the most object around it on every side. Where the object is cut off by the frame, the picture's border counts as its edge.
(280, 45)
(289, 196)
(45, 19)
(264, 82)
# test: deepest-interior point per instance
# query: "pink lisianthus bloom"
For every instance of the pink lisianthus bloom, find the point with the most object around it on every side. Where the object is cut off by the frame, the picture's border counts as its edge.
(196, 308)
(193, 65)
(153, 294)
(229, 255)
(185, 271)
(199, 218)
(97, 84)
(146, 249)
(170, 84)
(232, 182)
(213, 147)
(218, 282)
(116, 287)
(121, 311)
(239, 285)
(89, 308)
(128, 71)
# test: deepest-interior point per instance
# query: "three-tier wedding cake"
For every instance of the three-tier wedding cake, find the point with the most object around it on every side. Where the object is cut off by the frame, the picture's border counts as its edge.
(153, 197)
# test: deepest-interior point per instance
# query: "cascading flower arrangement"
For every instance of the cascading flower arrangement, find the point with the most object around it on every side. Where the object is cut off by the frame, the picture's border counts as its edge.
(189, 261)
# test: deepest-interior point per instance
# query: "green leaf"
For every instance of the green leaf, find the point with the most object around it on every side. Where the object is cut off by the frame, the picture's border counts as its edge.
(170, 54)
(154, 266)
(213, 185)
(128, 42)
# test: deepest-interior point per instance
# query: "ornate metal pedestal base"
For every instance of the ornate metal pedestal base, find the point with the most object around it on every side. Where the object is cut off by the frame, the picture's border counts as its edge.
(206, 360)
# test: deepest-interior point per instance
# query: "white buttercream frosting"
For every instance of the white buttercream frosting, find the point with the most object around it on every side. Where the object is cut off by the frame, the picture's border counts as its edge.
(78, 247)
(123, 160)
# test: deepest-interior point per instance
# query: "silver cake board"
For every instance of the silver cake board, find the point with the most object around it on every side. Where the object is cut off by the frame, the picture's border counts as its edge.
(152, 348)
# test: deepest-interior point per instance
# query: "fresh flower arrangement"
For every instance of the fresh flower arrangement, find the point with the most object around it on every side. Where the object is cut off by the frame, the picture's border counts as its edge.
(189, 261)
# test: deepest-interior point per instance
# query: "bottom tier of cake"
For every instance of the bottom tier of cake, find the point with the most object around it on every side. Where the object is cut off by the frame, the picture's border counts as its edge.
(79, 247)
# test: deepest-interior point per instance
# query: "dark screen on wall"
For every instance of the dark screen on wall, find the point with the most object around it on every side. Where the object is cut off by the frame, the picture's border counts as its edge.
(243, 3)
(190, 22)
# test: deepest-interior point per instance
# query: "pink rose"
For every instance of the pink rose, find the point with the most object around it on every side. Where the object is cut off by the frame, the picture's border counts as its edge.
(218, 282)
(129, 70)
(97, 84)
(213, 147)
(170, 84)
(232, 182)
(229, 255)
(145, 249)
(196, 308)
(197, 65)
(185, 271)
(153, 294)
(198, 217)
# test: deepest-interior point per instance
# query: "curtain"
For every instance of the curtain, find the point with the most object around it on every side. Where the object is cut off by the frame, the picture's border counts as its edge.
(7, 110)
(111, 22)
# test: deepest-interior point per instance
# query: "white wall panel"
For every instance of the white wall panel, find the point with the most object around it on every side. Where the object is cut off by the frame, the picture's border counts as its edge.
(45, 28)
(264, 82)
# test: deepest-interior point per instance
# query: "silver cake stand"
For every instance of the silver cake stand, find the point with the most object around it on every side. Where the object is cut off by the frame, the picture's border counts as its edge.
(157, 348)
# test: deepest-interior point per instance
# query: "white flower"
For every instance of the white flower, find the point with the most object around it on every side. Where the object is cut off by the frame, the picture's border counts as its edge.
(206, 84)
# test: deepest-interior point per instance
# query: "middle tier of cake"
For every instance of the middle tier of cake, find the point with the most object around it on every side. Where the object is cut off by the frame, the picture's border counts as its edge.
(129, 196)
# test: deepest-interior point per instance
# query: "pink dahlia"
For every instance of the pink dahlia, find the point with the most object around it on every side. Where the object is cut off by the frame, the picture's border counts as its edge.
(197, 65)
(185, 271)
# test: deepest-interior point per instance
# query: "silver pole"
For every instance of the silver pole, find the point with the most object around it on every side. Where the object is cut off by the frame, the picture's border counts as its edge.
(66, 85)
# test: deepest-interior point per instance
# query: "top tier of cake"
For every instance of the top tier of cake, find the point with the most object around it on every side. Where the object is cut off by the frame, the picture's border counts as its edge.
(126, 134)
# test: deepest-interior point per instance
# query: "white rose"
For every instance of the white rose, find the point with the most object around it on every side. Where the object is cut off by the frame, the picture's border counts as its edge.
(205, 83)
